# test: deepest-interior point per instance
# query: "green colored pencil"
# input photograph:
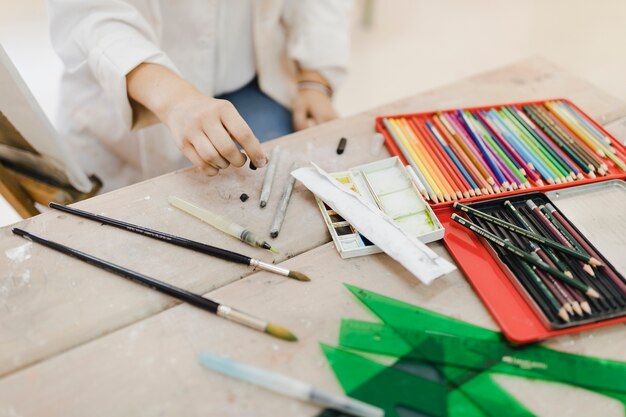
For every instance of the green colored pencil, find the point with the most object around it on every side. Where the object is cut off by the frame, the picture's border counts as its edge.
(529, 235)
(549, 253)
(525, 256)
(530, 143)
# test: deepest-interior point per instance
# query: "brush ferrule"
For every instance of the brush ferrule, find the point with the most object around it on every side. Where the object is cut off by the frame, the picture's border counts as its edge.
(269, 267)
(241, 318)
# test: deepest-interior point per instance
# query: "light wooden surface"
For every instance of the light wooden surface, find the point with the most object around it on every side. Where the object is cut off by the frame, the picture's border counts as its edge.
(78, 341)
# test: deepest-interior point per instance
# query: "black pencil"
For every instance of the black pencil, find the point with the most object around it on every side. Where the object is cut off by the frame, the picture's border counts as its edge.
(585, 303)
(182, 242)
(525, 256)
(556, 234)
(544, 251)
(571, 305)
(165, 288)
(528, 277)
(521, 231)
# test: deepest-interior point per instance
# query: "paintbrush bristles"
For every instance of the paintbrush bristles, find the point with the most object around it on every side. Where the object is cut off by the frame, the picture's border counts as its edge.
(280, 332)
(298, 275)
(278, 270)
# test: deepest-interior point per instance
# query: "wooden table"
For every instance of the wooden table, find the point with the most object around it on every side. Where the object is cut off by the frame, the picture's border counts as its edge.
(77, 341)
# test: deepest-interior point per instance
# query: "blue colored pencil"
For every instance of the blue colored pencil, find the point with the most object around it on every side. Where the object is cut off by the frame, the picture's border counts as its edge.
(453, 157)
(489, 156)
(530, 155)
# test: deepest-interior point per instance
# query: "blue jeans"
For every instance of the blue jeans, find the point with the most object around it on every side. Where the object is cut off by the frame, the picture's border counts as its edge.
(266, 117)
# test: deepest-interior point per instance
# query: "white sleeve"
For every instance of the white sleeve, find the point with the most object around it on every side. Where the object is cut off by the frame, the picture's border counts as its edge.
(319, 36)
(112, 37)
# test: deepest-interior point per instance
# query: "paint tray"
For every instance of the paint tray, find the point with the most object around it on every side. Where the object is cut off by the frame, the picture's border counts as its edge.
(387, 185)
(585, 206)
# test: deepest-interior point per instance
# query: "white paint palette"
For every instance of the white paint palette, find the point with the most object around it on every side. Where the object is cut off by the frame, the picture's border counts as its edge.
(388, 185)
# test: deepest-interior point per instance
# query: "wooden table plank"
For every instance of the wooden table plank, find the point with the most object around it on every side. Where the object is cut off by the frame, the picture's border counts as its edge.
(150, 368)
(52, 303)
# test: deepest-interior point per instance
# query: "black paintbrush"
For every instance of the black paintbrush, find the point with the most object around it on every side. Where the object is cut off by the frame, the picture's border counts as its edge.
(182, 242)
(179, 293)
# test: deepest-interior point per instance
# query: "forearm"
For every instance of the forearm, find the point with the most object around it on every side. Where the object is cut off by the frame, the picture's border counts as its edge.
(155, 88)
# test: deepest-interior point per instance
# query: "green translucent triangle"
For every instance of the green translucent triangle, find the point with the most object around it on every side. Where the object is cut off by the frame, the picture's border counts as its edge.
(394, 389)
(445, 340)
(403, 315)
(472, 389)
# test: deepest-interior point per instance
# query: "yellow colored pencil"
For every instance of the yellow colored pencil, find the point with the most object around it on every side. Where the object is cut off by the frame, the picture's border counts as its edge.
(428, 161)
(416, 159)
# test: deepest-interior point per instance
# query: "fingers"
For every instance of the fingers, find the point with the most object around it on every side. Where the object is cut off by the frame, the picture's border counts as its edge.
(240, 132)
(190, 153)
(223, 144)
(206, 150)
(299, 115)
(323, 113)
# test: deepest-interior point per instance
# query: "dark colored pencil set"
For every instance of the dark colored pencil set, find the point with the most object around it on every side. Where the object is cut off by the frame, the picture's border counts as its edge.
(559, 272)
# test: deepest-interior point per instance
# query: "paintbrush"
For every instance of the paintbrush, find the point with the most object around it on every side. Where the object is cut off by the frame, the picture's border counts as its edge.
(288, 386)
(182, 242)
(165, 288)
(220, 223)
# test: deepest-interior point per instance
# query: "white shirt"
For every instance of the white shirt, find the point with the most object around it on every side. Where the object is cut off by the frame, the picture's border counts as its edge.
(234, 63)
(217, 45)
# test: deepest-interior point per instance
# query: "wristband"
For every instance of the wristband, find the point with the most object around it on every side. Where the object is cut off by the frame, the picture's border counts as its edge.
(315, 85)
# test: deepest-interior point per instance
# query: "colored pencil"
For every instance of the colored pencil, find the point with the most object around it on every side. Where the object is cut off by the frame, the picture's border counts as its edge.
(556, 233)
(543, 251)
(464, 153)
(525, 170)
(525, 256)
(562, 247)
(509, 165)
(535, 285)
(549, 257)
(483, 186)
(460, 188)
(464, 144)
(573, 153)
(463, 121)
(541, 139)
(556, 124)
(417, 144)
(418, 183)
(196, 300)
(583, 243)
(473, 187)
(410, 155)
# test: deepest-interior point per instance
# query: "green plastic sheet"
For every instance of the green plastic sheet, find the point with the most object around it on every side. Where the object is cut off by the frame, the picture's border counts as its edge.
(444, 367)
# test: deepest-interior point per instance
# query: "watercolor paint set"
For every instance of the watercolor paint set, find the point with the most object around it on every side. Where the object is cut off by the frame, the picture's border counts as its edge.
(388, 185)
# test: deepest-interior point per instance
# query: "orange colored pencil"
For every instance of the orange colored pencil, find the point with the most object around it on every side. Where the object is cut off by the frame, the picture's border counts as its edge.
(456, 190)
(461, 185)
(428, 162)
(467, 150)
(478, 178)
(437, 193)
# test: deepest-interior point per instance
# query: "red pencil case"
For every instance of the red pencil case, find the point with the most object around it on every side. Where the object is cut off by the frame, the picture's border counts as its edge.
(517, 319)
